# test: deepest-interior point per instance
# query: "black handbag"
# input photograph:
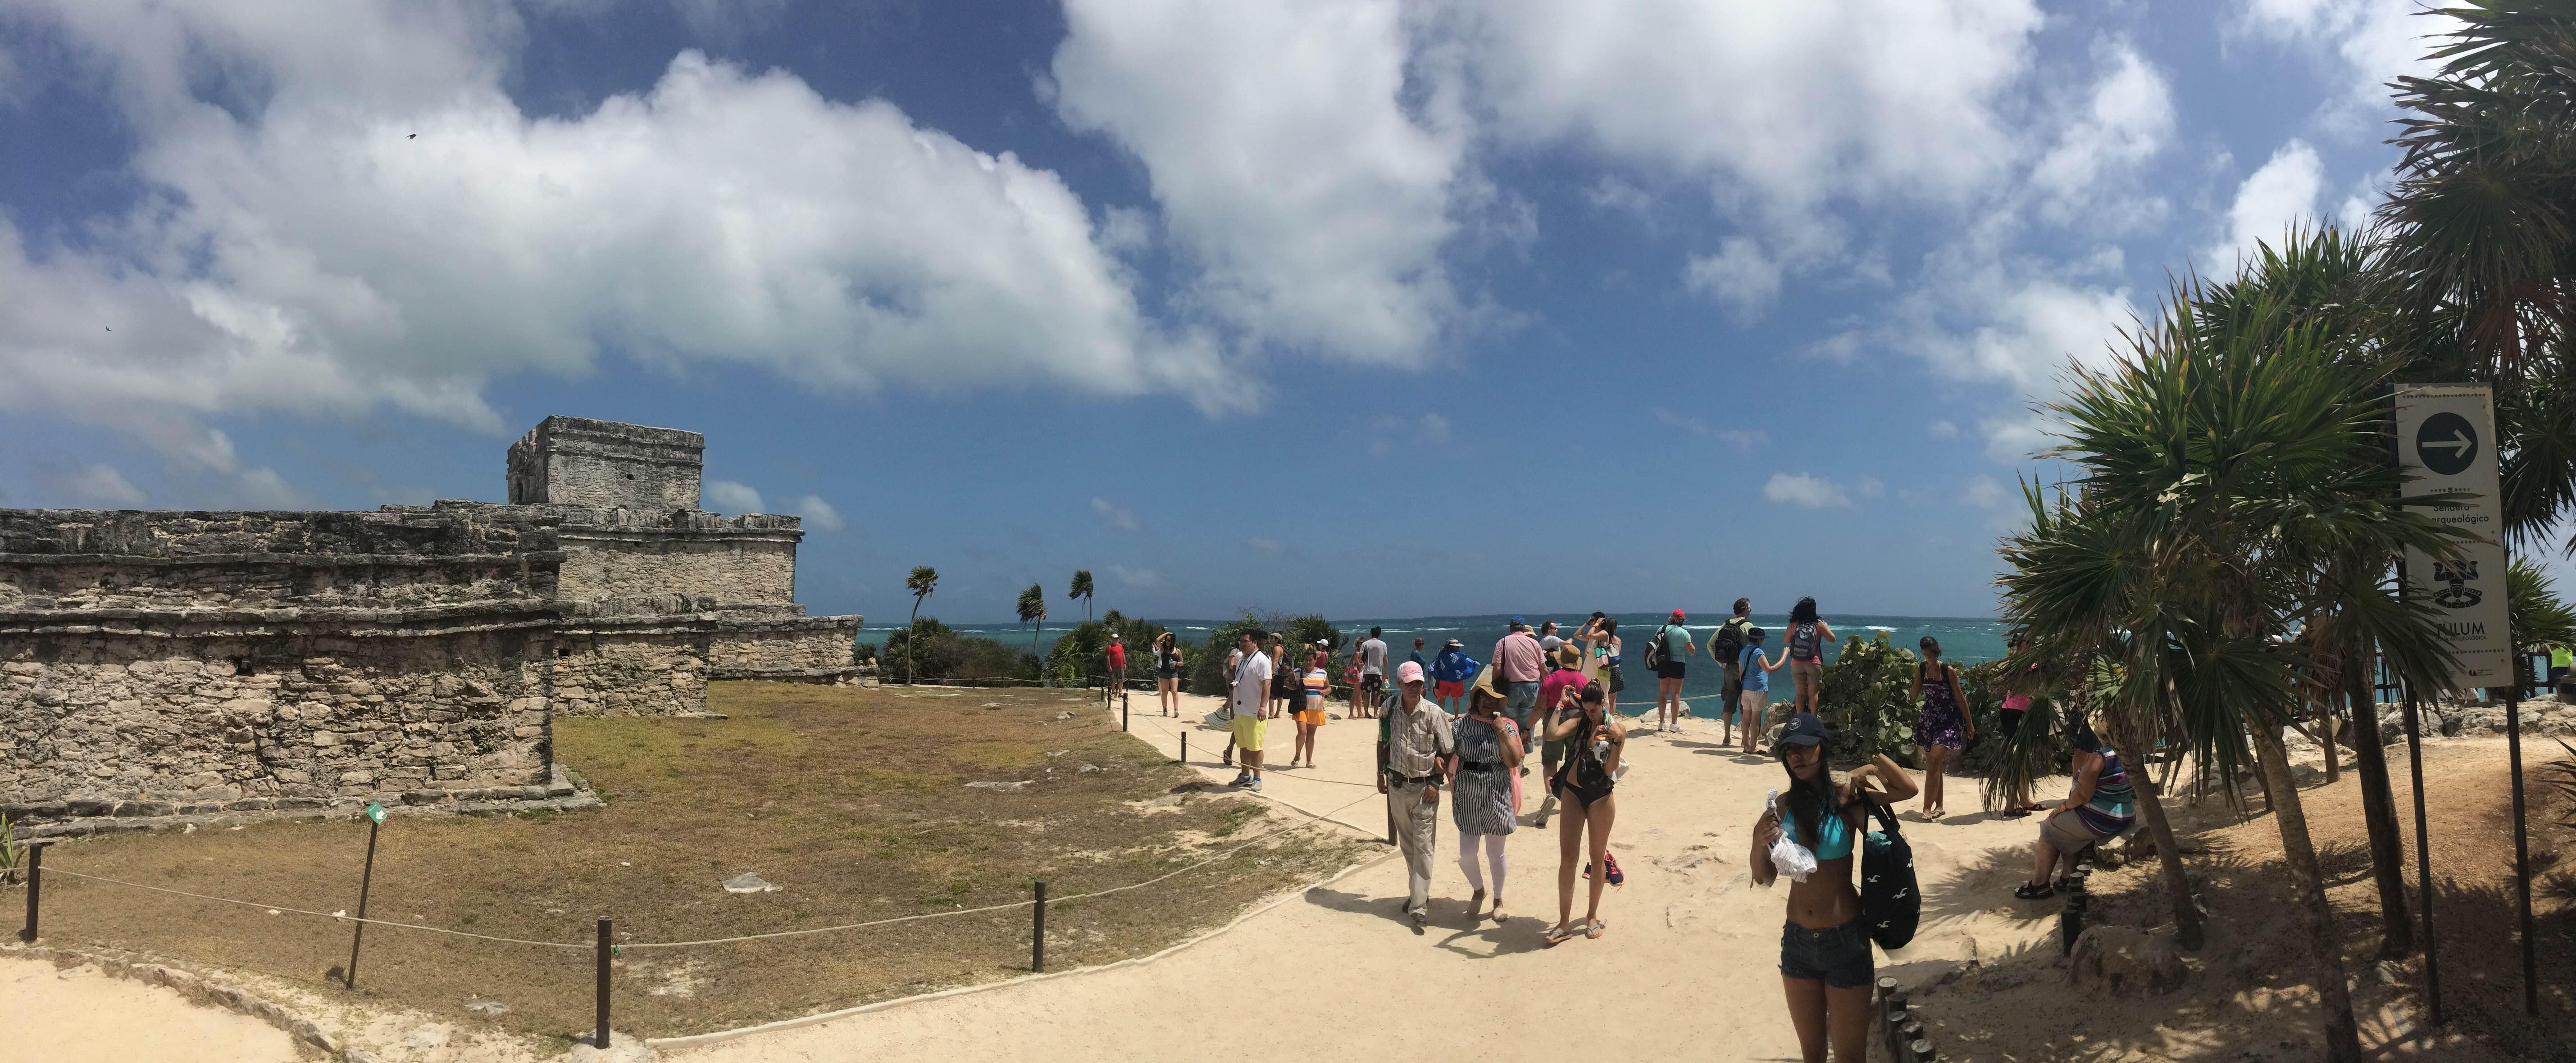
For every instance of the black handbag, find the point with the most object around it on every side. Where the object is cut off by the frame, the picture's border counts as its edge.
(1891, 903)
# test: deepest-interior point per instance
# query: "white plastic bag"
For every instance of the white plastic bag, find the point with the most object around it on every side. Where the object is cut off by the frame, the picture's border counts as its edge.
(1791, 858)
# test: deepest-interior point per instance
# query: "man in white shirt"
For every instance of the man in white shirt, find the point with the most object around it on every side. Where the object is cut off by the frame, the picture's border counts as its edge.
(1249, 696)
(1371, 684)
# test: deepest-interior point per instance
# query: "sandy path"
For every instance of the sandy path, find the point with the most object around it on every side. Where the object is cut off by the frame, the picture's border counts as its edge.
(1690, 939)
(89, 1017)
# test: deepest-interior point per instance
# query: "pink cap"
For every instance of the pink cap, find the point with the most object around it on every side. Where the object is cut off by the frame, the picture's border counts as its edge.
(1408, 672)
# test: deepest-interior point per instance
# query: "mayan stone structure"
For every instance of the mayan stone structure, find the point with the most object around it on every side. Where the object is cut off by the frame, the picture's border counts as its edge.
(161, 662)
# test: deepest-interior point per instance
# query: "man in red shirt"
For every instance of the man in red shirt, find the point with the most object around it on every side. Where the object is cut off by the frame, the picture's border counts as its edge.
(1117, 669)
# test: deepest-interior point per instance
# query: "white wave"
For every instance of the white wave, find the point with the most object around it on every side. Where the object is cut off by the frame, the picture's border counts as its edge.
(1875, 627)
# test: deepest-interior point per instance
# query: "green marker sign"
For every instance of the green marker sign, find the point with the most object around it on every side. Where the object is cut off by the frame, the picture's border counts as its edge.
(375, 812)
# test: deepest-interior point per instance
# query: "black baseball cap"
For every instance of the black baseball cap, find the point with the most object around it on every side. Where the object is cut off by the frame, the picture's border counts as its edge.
(1804, 730)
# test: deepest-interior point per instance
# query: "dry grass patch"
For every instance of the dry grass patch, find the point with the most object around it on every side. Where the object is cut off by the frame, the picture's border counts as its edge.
(852, 801)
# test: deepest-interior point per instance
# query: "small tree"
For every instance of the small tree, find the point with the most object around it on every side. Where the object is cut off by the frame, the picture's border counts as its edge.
(1081, 589)
(921, 583)
(1033, 611)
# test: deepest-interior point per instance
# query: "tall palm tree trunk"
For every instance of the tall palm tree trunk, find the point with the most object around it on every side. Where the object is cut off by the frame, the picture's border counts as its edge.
(2307, 886)
(2187, 926)
(908, 641)
(1044, 680)
(2378, 808)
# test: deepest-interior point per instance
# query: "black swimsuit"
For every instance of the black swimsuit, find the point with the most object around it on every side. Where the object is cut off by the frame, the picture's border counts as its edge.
(1582, 778)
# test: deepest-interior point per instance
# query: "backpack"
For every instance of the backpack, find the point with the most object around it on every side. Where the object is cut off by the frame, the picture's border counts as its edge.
(1728, 646)
(1891, 902)
(1655, 650)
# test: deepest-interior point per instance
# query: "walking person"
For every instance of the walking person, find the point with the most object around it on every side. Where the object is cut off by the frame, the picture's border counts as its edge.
(1556, 699)
(1726, 647)
(1284, 690)
(1808, 634)
(1233, 672)
(1373, 668)
(1418, 752)
(1595, 740)
(1942, 728)
(1519, 664)
(1250, 700)
(1309, 715)
(1669, 671)
(1825, 964)
(2016, 705)
(1754, 703)
(2099, 807)
(1117, 654)
(1480, 796)
(1167, 673)
(1450, 672)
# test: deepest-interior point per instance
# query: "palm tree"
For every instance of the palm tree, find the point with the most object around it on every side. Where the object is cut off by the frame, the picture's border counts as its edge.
(921, 583)
(2226, 468)
(1081, 589)
(2480, 231)
(1033, 611)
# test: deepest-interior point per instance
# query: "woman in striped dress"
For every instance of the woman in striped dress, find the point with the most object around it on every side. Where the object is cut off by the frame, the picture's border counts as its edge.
(2102, 806)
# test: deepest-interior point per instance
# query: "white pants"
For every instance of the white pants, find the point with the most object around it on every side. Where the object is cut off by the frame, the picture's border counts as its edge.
(1493, 845)
(1417, 830)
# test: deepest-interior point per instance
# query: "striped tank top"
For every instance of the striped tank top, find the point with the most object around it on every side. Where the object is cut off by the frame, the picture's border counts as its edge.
(2114, 807)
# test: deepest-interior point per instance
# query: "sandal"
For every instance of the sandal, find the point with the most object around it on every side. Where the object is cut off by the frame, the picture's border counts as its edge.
(1593, 933)
(1499, 917)
(1475, 904)
(2016, 813)
(2034, 891)
(1557, 935)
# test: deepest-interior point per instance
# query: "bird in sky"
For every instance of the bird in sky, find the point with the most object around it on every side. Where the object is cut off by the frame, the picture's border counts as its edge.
(414, 136)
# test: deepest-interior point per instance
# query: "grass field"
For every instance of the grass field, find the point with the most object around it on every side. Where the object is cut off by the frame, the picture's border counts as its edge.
(854, 802)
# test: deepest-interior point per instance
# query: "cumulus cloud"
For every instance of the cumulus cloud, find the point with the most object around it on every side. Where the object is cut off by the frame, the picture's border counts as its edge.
(818, 514)
(736, 498)
(1113, 515)
(2366, 42)
(1312, 183)
(99, 484)
(2280, 194)
(295, 249)
(1739, 276)
(1806, 491)
(2125, 120)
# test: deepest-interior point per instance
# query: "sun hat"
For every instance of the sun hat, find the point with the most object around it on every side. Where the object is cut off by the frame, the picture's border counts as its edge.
(1804, 730)
(1456, 645)
(1569, 656)
(1408, 672)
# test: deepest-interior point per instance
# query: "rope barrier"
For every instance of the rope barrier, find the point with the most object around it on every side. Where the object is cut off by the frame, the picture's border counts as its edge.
(324, 915)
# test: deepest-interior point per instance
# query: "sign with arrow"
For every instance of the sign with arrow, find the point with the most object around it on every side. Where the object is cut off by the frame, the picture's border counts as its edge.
(2445, 446)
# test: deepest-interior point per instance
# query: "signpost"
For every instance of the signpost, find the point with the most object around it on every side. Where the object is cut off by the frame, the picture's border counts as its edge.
(375, 821)
(2446, 446)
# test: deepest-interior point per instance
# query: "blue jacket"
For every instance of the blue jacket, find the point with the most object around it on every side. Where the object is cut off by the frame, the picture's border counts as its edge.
(1454, 666)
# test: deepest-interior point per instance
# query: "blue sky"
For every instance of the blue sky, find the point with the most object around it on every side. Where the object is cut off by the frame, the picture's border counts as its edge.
(1353, 306)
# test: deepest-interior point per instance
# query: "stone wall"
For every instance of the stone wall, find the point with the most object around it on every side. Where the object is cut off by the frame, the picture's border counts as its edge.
(576, 461)
(637, 673)
(786, 647)
(250, 720)
(732, 567)
(60, 559)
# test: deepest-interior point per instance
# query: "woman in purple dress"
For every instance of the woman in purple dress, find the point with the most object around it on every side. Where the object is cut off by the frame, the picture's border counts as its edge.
(1943, 727)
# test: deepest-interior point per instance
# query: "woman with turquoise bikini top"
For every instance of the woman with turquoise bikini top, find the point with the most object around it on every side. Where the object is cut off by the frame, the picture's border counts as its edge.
(1825, 964)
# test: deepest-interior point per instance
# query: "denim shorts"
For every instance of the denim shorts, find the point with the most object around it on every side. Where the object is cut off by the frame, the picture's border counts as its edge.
(1837, 956)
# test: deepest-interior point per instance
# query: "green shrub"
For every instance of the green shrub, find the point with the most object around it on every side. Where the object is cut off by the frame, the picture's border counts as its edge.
(939, 653)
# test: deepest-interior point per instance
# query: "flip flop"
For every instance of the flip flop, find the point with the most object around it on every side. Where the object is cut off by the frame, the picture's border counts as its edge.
(1594, 932)
(2029, 892)
(1557, 935)
(2016, 813)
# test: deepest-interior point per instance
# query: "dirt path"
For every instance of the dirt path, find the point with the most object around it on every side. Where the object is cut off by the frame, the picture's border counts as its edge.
(91, 1017)
(1692, 950)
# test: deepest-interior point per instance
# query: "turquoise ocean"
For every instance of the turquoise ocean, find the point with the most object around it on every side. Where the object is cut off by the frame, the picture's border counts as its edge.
(1963, 640)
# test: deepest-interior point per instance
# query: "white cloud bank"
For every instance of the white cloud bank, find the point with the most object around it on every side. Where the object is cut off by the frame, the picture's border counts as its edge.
(735, 498)
(2282, 193)
(1809, 491)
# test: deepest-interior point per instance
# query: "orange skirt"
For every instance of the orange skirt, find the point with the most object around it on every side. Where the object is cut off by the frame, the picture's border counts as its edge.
(1313, 717)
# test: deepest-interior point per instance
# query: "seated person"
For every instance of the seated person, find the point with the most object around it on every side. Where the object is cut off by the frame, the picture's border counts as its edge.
(2102, 806)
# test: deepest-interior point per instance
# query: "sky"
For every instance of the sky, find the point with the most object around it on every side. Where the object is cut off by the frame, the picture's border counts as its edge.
(1360, 307)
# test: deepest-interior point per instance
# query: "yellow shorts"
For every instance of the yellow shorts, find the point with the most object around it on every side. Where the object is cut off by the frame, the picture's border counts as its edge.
(1248, 731)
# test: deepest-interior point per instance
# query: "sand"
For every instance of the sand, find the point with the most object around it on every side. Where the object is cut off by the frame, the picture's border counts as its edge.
(1688, 968)
(92, 1017)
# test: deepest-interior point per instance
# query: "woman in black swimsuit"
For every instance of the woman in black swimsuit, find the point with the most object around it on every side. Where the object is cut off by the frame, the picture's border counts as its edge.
(1594, 742)
(1167, 673)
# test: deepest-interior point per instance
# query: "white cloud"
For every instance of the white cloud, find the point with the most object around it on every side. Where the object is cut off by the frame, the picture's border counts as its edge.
(818, 514)
(1984, 492)
(1300, 156)
(1264, 546)
(1140, 578)
(1611, 193)
(1745, 439)
(1115, 516)
(1944, 430)
(2371, 42)
(101, 484)
(2127, 119)
(1739, 275)
(295, 250)
(2012, 440)
(1868, 487)
(1805, 491)
(736, 498)
(1692, 425)
(2282, 193)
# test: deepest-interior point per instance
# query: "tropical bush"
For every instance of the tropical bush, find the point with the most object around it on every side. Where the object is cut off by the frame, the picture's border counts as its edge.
(1207, 674)
(1078, 659)
(939, 653)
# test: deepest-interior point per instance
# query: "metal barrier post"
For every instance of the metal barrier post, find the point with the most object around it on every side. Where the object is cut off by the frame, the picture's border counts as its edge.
(35, 889)
(599, 1038)
(375, 822)
(1185, 747)
(1037, 932)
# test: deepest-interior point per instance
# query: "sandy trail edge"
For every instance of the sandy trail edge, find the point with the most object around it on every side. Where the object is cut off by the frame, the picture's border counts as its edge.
(1687, 931)
(93, 1017)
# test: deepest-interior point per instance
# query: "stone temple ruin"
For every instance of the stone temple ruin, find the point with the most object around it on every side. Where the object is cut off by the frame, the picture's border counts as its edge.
(158, 663)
